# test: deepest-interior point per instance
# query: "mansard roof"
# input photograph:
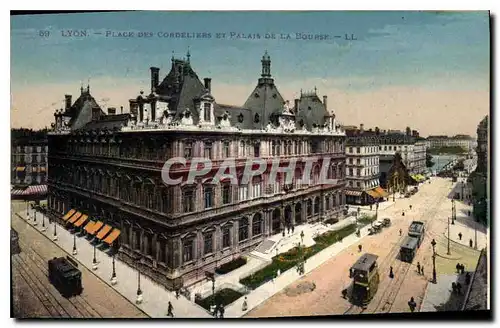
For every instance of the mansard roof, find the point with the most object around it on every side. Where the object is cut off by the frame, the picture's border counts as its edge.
(80, 112)
(311, 111)
(266, 102)
(240, 117)
(108, 122)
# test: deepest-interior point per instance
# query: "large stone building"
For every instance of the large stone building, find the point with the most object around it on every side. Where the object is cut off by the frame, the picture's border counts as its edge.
(109, 168)
(362, 167)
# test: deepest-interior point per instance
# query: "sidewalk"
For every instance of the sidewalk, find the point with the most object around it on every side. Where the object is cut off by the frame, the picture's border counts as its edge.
(155, 297)
(440, 297)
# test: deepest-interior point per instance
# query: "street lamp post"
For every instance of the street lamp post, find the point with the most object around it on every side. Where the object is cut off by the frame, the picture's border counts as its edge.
(453, 211)
(433, 243)
(34, 220)
(27, 210)
(376, 211)
(55, 231)
(74, 244)
(94, 260)
(139, 291)
(114, 281)
(43, 223)
(448, 252)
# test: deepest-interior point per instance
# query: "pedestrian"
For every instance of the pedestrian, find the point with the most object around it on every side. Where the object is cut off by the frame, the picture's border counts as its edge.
(403, 214)
(244, 307)
(412, 304)
(462, 268)
(400, 232)
(344, 293)
(391, 273)
(410, 207)
(177, 293)
(418, 267)
(371, 205)
(360, 248)
(287, 229)
(460, 235)
(221, 311)
(467, 278)
(458, 267)
(470, 243)
(454, 287)
(293, 229)
(170, 310)
(468, 212)
(459, 287)
(422, 270)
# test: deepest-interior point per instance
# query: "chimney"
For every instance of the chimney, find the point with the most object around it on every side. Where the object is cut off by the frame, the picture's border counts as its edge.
(208, 84)
(155, 73)
(325, 99)
(111, 111)
(121, 109)
(297, 103)
(68, 101)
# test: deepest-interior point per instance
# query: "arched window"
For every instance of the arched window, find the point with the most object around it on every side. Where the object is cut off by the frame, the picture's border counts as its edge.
(257, 224)
(309, 208)
(243, 230)
(316, 205)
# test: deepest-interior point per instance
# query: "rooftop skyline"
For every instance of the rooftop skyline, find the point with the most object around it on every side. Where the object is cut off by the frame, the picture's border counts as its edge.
(425, 70)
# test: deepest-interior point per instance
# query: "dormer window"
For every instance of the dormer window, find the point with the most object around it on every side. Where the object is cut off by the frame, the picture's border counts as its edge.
(275, 96)
(240, 118)
(206, 112)
(256, 95)
(257, 118)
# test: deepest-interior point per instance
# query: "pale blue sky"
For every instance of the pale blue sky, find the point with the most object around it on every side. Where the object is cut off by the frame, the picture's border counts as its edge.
(428, 50)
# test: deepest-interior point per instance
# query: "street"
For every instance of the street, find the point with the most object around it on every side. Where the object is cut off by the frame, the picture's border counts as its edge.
(34, 296)
(431, 205)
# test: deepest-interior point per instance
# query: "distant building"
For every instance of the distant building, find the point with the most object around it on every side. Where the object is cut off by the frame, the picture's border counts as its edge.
(460, 140)
(362, 167)
(28, 157)
(482, 146)
(411, 148)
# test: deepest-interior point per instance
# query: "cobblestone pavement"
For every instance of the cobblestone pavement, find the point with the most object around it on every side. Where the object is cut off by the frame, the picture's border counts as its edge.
(432, 205)
(35, 297)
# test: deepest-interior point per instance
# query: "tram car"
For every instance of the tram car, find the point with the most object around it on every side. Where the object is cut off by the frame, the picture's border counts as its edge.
(364, 274)
(417, 230)
(65, 276)
(408, 249)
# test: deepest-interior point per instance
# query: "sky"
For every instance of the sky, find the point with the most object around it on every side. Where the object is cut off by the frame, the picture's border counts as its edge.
(426, 70)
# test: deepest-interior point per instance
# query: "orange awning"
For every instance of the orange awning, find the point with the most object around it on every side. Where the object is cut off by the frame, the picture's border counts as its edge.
(381, 192)
(95, 227)
(89, 226)
(373, 193)
(69, 214)
(82, 220)
(75, 217)
(112, 236)
(104, 231)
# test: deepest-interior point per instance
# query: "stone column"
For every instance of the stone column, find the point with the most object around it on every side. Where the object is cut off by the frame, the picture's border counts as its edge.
(267, 222)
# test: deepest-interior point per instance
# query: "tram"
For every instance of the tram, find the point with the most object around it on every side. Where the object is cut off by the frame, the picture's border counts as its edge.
(417, 230)
(65, 276)
(364, 274)
(408, 249)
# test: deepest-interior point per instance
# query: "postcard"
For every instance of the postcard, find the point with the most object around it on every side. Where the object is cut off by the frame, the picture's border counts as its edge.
(215, 165)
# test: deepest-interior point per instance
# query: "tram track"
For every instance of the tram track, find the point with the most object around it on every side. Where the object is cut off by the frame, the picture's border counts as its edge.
(400, 268)
(80, 307)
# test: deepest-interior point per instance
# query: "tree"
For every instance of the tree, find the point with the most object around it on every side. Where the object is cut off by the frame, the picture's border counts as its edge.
(428, 160)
